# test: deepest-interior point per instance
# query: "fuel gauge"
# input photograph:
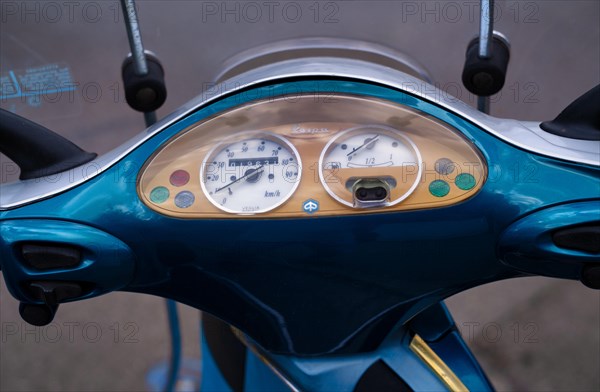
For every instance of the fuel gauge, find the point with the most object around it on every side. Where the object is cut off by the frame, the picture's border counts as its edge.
(370, 166)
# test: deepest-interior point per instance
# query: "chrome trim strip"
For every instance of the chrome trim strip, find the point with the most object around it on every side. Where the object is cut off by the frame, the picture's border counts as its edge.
(524, 135)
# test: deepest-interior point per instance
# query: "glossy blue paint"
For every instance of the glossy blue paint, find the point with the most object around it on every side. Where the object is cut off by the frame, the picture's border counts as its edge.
(527, 244)
(259, 377)
(107, 263)
(284, 282)
(342, 373)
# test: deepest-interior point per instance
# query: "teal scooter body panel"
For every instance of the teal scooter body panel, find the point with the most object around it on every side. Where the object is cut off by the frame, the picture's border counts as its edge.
(316, 285)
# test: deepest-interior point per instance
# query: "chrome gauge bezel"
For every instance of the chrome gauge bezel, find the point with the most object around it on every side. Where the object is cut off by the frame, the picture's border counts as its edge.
(240, 137)
(397, 134)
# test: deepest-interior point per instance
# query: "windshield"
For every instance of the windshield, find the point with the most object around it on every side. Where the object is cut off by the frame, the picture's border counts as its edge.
(60, 61)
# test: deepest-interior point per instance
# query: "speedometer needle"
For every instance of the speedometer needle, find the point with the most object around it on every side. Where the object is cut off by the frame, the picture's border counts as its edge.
(250, 172)
(369, 141)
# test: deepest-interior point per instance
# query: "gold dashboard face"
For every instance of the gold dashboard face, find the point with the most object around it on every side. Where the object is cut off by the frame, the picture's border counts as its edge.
(310, 156)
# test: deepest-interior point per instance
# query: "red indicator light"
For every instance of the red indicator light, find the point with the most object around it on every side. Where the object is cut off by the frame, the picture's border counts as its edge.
(179, 178)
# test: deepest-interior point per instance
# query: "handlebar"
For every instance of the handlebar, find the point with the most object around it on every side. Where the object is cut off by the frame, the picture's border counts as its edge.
(282, 279)
(37, 151)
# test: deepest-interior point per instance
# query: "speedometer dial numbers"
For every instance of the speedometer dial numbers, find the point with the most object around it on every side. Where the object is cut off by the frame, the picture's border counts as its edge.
(370, 166)
(253, 174)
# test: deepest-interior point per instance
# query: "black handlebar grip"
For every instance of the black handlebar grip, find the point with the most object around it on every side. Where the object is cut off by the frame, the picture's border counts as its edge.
(485, 76)
(579, 120)
(144, 93)
(37, 150)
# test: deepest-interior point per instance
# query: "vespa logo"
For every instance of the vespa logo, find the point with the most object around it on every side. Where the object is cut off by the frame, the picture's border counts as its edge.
(298, 130)
(310, 206)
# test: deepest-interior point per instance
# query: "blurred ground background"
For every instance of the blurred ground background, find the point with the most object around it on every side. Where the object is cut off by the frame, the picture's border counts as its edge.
(530, 334)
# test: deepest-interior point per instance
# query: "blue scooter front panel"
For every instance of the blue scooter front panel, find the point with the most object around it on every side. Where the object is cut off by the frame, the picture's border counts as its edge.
(311, 285)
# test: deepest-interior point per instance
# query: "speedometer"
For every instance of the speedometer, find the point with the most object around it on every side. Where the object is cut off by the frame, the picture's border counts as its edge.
(255, 173)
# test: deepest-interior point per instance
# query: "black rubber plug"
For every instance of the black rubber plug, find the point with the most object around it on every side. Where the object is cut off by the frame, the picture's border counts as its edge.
(37, 314)
(144, 93)
(590, 276)
(485, 77)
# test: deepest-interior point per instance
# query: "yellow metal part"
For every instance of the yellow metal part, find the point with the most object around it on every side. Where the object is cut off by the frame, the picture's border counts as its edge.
(439, 367)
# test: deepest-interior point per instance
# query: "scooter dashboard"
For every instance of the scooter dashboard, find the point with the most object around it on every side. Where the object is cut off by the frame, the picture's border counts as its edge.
(300, 155)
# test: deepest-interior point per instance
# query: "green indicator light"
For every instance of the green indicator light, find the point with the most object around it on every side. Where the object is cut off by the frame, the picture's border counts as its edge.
(439, 188)
(160, 194)
(465, 181)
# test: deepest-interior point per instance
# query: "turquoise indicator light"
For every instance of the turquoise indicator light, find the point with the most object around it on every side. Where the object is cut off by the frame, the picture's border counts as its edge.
(439, 188)
(465, 181)
(160, 194)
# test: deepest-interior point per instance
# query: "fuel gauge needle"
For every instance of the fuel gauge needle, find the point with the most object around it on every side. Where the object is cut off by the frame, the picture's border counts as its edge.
(354, 150)
(250, 172)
